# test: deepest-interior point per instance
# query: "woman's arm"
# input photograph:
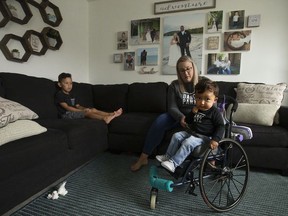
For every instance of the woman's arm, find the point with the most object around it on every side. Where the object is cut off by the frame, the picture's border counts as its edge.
(173, 107)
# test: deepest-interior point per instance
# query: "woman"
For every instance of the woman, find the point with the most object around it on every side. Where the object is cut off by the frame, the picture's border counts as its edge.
(174, 50)
(180, 102)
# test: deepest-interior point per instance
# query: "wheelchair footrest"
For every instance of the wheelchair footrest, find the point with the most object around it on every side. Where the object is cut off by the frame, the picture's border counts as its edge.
(161, 184)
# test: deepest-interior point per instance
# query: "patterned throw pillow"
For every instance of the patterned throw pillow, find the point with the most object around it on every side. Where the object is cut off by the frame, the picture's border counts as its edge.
(11, 111)
(260, 93)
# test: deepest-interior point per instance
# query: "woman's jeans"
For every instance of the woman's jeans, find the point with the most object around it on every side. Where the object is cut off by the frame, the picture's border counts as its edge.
(182, 144)
(155, 135)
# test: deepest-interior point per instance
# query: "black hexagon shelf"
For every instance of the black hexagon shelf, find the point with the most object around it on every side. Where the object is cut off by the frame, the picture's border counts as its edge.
(50, 33)
(38, 38)
(35, 3)
(46, 17)
(26, 10)
(5, 14)
(6, 51)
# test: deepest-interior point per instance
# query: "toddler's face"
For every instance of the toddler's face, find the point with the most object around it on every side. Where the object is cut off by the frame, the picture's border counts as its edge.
(205, 100)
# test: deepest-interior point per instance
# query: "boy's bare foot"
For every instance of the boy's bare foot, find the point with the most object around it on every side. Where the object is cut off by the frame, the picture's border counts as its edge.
(118, 112)
(109, 118)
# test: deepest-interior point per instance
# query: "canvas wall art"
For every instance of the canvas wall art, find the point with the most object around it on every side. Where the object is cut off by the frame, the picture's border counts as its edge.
(122, 40)
(236, 19)
(145, 31)
(174, 41)
(224, 63)
(147, 56)
(129, 61)
(237, 40)
(214, 21)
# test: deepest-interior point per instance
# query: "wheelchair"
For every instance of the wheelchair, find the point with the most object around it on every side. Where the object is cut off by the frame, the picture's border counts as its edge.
(221, 174)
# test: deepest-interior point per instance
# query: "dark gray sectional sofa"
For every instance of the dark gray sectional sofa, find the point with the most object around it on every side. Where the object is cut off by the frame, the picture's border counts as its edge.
(31, 164)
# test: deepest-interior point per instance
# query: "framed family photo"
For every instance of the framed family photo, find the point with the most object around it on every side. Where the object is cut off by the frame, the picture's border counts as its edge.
(224, 63)
(145, 31)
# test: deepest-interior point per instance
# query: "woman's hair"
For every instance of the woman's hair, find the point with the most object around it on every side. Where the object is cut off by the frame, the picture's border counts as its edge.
(194, 80)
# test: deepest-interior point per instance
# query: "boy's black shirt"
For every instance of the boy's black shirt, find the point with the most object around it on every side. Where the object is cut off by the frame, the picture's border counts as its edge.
(61, 97)
(209, 123)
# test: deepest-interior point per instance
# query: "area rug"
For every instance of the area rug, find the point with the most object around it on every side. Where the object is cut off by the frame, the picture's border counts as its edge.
(106, 186)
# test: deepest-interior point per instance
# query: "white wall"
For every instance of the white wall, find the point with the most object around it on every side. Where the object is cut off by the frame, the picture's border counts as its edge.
(265, 62)
(89, 32)
(73, 55)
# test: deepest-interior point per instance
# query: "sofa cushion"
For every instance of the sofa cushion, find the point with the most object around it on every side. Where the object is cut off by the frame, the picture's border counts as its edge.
(110, 97)
(227, 88)
(20, 129)
(11, 111)
(79, 131)
(2, 89)
(35, 93)
(148, 97)
(267, 136)
(24, 154)
(132, 123)
(84, 94)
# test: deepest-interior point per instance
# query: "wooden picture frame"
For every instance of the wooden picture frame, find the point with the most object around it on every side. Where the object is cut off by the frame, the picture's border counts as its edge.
(183, 5)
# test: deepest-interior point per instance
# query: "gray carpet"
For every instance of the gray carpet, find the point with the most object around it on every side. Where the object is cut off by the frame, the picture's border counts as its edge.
(106, 186)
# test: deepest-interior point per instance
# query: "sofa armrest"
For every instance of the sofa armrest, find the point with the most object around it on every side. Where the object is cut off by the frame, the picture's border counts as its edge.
(283, 117)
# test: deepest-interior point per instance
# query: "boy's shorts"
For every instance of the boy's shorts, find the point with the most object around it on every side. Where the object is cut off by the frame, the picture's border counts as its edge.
(73, 115)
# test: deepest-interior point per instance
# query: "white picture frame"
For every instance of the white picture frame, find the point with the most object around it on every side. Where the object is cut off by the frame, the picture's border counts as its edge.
(254, 20)
(118, 58)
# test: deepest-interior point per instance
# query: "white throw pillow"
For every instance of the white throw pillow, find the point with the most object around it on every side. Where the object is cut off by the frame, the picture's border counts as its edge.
(10, 111)
(20, 129)
(258, 114)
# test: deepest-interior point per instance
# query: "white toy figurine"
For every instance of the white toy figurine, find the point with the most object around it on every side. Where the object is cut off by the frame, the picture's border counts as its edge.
(53, 196)
(62, 190)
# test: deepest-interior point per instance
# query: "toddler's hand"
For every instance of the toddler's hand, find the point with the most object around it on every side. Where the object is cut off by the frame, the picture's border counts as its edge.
(194, 109)
(213, 144)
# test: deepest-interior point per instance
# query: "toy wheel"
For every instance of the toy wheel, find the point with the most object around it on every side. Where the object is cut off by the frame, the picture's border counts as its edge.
(153, 198)
(223, 176)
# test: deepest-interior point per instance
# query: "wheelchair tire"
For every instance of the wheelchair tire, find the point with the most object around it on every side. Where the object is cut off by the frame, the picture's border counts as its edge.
(223, 176)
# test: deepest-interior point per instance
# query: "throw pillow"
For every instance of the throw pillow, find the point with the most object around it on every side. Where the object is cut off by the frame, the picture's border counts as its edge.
(11, 111)
(260, 93)
(20, 129)
(259, 114)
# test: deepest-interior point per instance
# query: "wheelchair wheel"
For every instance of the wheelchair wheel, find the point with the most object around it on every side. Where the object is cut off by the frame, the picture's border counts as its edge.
(223, 175)
(153, 198)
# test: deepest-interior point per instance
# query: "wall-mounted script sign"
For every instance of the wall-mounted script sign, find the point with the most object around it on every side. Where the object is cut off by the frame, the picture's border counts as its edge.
(178, 6)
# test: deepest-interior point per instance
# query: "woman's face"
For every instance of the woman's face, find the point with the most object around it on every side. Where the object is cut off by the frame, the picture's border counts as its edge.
(186, 71)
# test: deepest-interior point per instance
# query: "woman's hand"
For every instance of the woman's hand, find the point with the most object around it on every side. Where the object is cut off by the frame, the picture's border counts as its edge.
(183, 123)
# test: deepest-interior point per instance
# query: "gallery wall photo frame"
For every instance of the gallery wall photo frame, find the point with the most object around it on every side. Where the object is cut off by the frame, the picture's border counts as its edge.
(253, 20)
(118, 58)
(213, 43)
(224, 63)
(182, 5)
